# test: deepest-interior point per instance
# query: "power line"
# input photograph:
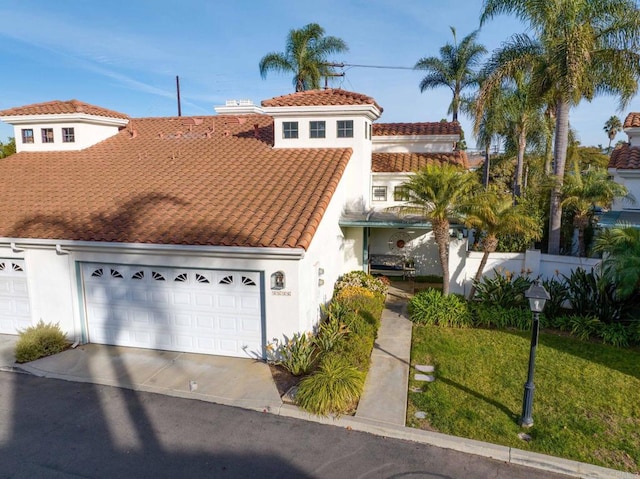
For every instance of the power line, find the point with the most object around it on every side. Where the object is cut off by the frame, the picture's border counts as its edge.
(375, 66)
(342, 65)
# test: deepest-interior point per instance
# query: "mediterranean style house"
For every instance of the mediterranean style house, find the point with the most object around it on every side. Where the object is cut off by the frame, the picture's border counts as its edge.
(624, 166)
(208, 234)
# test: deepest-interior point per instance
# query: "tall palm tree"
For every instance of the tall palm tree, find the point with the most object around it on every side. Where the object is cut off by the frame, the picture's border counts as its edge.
(494, 214)
(580, 48)
(612, 127)
(306, 56)
(453, 69)
(622, 261)
(581, 193)
(437, 192)
(515, 100)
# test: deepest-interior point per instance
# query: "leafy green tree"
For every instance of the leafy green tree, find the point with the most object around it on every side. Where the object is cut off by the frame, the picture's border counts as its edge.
(8, 148)
(438, 192)
(580, 48)
(455, 68)
(582, 193)
(306, 56)
(612, 127)
(622, 261)
(493, 215)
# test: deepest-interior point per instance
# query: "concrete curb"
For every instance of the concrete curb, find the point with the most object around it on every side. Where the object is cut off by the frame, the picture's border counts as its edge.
(501, 453)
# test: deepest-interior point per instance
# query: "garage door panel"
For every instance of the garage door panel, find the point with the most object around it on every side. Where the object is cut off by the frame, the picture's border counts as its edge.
(203, 311)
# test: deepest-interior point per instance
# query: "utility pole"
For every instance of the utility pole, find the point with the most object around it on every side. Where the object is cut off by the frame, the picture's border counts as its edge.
(332, 74)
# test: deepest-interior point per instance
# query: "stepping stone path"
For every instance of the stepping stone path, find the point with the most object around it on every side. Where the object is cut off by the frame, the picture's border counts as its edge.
(420, 415)
(415, 389)
(425, 368)
(424, 377)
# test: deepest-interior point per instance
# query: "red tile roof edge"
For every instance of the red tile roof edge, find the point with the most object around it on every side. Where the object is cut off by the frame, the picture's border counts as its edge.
(625, 157)
(57, 107)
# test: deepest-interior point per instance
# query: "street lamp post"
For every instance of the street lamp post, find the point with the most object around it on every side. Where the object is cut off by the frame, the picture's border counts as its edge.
(537, 296)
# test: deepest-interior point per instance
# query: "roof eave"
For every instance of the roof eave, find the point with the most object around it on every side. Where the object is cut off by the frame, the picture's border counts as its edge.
(370, 111)
(64, 118)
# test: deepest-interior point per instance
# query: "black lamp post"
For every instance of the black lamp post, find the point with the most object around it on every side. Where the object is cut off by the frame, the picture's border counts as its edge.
(537, 296)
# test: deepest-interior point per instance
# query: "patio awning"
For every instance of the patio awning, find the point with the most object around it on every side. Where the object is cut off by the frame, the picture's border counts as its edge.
(625, 218)
(382, 219)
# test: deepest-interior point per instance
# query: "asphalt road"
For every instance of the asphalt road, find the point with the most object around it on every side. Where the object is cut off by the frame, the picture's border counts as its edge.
(59, 429)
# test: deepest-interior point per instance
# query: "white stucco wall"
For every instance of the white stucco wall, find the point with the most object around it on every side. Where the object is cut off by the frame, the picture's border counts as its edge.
(86, 134)
(631, 180)
(56, 294)
(463, 265)
(415, 143)
(390, 181)
(421, 247)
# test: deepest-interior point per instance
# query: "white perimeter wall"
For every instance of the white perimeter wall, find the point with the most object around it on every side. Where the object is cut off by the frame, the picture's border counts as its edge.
(463, 265)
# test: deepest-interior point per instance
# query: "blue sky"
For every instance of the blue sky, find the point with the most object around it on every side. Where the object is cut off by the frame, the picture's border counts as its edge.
(125, 54)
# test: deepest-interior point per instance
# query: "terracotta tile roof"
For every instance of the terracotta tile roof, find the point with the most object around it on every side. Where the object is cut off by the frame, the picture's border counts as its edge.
(197, 181)
(407, 162)
(328, 97)
(61, 107)
(632, 120)
(432, 128)
(625, 157)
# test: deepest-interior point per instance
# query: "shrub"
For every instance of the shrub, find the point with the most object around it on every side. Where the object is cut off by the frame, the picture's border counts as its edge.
(362, 301)
(356, 350)
(590, 294)
(503, 290)
(431, 307)
(334, 388)
(296, 354)
(39, 341)
(558, 292)
(563, 322)
(362, 279)
(585, 327)
(488, 315)
(330, 331)
(616, 334)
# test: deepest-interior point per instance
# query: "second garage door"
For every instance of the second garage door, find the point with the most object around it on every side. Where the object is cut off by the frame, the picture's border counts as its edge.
(176, 309)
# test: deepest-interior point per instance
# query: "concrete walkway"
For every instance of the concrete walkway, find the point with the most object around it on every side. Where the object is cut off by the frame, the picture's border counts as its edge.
(385, 392)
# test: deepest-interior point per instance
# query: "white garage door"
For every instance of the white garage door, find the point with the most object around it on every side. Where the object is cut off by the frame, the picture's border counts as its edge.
(14, 297)
(176, 309)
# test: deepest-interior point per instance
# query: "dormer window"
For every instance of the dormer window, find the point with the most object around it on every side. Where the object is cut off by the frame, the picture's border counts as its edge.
(289, 129)
(27, 135)
(345, 128)
(68, 135)
(317, 129)
(47, 135)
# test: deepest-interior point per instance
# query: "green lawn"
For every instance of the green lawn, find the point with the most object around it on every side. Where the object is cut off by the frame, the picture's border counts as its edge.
(586, 403)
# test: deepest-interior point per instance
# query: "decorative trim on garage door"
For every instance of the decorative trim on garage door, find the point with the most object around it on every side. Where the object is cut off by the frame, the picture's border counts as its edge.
(177, 309)
(15, 313)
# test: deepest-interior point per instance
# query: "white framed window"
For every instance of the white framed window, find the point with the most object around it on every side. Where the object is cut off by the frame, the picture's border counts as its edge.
(379, 193)
(47, 135)
(317, 129)
(345, 128)
(289, 129)
(400, 193)
(68, 135)
(27, 135)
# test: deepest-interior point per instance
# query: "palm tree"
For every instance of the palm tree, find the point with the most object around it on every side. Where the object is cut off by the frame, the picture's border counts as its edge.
(437, 192)
(306, 56)
(453, 69)
(515, 101)
(581, 48)
(581, 193)
(622, 262)
(494, 214)
(612, 127)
